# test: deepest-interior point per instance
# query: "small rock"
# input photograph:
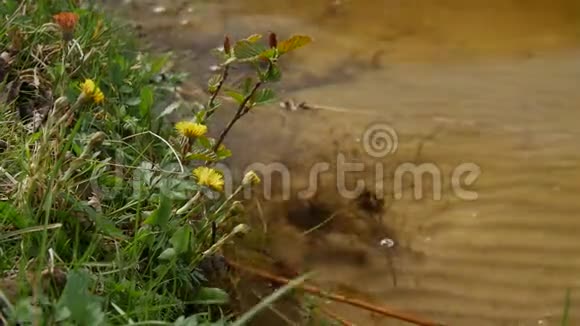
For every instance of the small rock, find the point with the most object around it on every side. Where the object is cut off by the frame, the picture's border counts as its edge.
(159, 9)
(386, 242)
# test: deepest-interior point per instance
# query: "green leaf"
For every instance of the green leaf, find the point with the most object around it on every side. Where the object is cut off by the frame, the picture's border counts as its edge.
(207, 296)
(204, 142)
(203, 155)
(213, 83)
(160, 217)
(264, 96)
(146, 101)
(269, 54)
(236, 96)
(84, 308)
(181, 239)
(274, 74)
(167, 254)
(293, 43)
(247, 85)
(223, 153)
(159, 63)
(254, 38)
(23, 311)
(133, 101)
(247, 51)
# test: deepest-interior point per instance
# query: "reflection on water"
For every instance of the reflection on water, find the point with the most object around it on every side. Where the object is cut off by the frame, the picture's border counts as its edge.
(489, 82)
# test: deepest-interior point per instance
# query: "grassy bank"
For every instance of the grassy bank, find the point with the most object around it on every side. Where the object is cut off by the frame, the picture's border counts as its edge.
(109, 214)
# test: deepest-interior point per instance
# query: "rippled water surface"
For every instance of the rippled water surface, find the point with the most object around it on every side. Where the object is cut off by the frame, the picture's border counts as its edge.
(494, 83)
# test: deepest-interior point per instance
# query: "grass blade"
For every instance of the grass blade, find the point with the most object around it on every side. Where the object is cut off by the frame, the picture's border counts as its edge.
(566, 313)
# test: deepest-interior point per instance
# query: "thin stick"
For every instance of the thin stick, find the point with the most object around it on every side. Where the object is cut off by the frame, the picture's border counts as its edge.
(337, 297)
(242, 110)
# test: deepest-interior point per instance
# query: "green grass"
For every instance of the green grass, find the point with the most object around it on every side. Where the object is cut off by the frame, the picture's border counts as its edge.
(101, 218)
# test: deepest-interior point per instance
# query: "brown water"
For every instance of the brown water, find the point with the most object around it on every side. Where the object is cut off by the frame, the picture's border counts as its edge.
(488, 82)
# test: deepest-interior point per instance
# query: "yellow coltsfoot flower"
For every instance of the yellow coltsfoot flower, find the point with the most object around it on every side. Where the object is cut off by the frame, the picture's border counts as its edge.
(98, 96)
(209, 177)
(91, 90)
(88, 87)
(191, 129)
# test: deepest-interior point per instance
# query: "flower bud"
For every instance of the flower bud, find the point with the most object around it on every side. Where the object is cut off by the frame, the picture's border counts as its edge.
(227, 46)
(273, 40)
(251, 178)
(97, 139)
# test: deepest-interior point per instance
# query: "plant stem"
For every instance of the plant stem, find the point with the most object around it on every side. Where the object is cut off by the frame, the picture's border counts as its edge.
(242, 110)
(217, 91)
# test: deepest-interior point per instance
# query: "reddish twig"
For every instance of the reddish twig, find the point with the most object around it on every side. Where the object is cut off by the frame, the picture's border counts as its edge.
(337, 297)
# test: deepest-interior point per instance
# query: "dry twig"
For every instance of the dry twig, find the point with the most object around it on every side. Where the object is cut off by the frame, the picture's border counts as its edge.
(336, 297)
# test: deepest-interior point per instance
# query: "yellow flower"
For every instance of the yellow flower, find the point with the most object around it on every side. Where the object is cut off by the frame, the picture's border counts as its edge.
(88, 87)
(209, 177)
(190, 129)
(91, 90)
(98, 96)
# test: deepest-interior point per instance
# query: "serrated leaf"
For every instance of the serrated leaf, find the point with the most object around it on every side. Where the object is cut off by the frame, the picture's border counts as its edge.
(204, 142)
(223, 153)
(202, 155)
(269, 54)
(293, 43)
(248, 51)
(213, 83)
(264, 96)
(181, 239)
(254, 38)
(247, 85)
(167, 254)
(274, 74)
(207, 295)
(236, 96)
